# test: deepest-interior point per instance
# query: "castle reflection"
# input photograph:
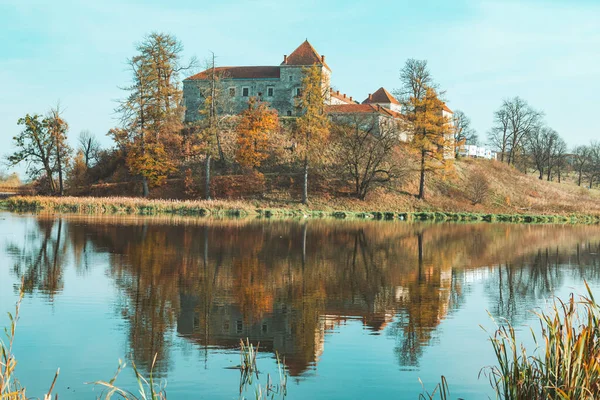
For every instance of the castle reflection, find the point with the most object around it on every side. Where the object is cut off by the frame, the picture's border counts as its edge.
(289, 284)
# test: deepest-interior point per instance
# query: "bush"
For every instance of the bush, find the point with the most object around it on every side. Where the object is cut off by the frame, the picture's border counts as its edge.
(478, 188)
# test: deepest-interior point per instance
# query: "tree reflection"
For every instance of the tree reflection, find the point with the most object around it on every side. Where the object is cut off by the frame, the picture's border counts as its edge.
(38, 260)
(289, 284)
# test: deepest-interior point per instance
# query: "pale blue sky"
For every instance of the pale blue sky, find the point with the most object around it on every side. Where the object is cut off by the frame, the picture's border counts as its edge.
(547, 52)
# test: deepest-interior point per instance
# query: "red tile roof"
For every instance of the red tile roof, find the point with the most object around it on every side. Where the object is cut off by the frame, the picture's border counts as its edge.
(305, 54)
(239, 73)
(445, 108)
(381, 96)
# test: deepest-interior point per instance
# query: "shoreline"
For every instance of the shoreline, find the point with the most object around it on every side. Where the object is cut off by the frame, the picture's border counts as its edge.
(248, 209)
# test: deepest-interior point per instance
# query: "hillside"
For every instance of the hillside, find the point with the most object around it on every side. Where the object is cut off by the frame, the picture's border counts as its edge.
(510, 191)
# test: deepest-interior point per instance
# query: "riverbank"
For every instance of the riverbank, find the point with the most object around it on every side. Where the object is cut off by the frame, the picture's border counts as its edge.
(257, 209)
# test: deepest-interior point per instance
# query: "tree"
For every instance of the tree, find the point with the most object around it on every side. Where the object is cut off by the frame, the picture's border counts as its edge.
(42, 145)
(89, 146)
(581, 160)
(58, 128)
(557, 161)
(592, 169)
(432, 133)
(415, 79)
(513, 122)
(499, 135)
(35, 146)
(313, 124)
(208, 132)
(152, 113)
(462, 130)
(253, 131)
(540, 143)
(364, 147)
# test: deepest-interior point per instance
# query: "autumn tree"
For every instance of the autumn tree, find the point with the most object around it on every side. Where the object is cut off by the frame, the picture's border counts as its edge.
(432, 134)
(462, 130)
(313, 124)
(151, 115)
(364, 147)
(253, 132)
(42, 146)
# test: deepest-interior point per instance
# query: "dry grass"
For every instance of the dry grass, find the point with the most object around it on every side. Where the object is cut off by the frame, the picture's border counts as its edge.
(507, 191)
(567, 365)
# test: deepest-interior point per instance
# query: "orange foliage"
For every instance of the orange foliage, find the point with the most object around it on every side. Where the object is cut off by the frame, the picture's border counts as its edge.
(253, 133)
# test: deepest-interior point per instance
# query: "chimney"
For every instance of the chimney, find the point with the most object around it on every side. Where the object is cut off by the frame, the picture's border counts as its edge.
(350, 98)
(323, 59)
(338, 92)
(285, 58)
(344, 95)
(330, 89)
(370, 96)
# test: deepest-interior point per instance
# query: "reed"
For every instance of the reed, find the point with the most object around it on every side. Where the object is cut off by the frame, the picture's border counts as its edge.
(566, 366)
(148, 388)
(441, 391)
(10, 388)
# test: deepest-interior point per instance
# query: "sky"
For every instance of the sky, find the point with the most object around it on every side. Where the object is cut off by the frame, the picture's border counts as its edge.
(479, 51)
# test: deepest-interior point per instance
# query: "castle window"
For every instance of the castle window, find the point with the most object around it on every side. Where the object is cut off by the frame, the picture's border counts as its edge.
(231, 92)
(239, 326)
(270, 91)
(245, 92)
(289, 113)
(290, 78)
(298, 92)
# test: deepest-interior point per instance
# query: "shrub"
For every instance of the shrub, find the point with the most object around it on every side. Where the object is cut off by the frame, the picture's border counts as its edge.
(478, 188)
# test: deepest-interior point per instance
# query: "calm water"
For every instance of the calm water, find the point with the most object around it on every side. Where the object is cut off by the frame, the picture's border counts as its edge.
(358, 309)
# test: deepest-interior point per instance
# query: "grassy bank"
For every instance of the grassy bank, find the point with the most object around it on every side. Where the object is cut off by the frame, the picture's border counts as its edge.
(256, 209)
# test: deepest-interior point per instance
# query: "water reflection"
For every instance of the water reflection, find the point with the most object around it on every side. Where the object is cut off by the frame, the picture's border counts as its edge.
(289, 284)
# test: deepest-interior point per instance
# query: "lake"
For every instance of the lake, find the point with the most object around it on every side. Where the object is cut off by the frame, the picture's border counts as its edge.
(358, 309)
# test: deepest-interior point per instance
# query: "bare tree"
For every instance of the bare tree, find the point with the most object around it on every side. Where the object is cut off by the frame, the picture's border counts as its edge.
(89, 147)
(539, 145)
(592, 169)
(415, 78)
(364, 147)
(462, 131)
(559, 158)
(581, 160)
(513, 122)
(499, 135)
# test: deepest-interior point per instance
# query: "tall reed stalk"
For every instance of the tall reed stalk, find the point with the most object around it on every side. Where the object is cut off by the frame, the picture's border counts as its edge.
(565, 367)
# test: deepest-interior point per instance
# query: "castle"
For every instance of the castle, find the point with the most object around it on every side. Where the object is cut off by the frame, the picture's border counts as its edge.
(280, 85)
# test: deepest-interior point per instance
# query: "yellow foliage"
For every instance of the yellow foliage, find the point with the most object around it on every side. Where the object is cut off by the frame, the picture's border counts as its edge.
(253, 132)
(150, 161)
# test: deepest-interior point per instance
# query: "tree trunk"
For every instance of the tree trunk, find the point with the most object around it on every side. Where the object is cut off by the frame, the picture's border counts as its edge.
(145, 189)
(207, 178)
(541, 177)
(579, 179)
(422, 178)
(305, 183)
